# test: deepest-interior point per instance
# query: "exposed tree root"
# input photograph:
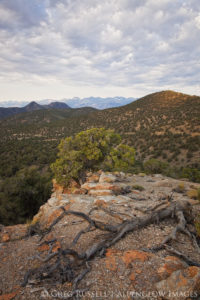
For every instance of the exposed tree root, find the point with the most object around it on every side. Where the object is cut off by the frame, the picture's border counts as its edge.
(69, 265)
(182, 256)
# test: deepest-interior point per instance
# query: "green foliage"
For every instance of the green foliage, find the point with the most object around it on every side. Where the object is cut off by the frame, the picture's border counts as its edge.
(93, 149)
(180, 188)
(138, 187)
(198, 194)
(22, 195)
(197, 225)
(153, 166)
(191, 173)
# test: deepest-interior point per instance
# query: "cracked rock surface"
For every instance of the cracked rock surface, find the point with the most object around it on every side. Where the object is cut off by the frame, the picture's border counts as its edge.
(126, 270)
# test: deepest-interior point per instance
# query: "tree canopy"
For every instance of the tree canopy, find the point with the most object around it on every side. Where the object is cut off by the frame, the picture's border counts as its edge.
(93, 149)
(22, 195)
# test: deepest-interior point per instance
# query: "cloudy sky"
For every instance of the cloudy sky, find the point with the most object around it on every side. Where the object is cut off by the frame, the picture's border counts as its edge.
(65, 48)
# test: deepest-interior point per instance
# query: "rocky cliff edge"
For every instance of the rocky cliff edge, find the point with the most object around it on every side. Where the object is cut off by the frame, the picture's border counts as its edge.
(118, 236)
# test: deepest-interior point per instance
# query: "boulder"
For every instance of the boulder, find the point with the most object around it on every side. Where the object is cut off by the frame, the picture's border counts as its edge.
(182, 284)
(110, 178)
(171, 264)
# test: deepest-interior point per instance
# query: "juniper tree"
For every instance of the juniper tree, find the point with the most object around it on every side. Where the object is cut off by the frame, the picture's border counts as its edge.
(93, 149)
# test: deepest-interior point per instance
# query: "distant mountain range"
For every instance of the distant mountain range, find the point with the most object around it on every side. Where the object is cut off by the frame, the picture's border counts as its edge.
(96, 102)
(9, 111)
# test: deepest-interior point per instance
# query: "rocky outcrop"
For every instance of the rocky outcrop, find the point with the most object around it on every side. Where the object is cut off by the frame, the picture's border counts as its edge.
(171, 264)
(125, 267)
(183, 284)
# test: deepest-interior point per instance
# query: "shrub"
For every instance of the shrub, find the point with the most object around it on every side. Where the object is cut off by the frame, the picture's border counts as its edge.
(192, 174)
(93, 149)
(180, 188)
(193, 194)
(138, 187)
(197, 225)
(155, 166)
(198, 194)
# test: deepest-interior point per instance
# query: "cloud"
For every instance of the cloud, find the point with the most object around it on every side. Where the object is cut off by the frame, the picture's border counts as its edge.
(16, 14)
(130, 47)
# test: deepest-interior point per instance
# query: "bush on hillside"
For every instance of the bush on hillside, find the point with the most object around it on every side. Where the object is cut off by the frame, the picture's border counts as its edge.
(153, 166)
(93, 149)
(191, 173)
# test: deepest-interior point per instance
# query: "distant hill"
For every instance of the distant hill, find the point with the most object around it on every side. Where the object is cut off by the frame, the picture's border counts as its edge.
(32, 106)
(58, 105)
(40, 118)
(6, 112)
(163, 125)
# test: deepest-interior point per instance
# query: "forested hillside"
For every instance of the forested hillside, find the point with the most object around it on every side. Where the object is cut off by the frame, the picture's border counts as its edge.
(163, 126)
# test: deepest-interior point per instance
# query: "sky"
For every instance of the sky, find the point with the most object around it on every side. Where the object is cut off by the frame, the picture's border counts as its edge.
(54, 49)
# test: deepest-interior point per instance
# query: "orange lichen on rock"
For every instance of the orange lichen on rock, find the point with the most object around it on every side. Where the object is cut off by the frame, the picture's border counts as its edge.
(111, 259)
(132, 276)
(138, 271)
(182, 280)
(186, 280)
(111, 252)
(67, 207)
(76, 191)
(100, 202)
(132, 255)
(80, 191)
(5, 238)
(192, 271)
(93, 178)
(13, 232)
(53, 216)
(56, 246)
(172, 264)
(45, 247)
(10, 296)
(100, 192)
(56, 213)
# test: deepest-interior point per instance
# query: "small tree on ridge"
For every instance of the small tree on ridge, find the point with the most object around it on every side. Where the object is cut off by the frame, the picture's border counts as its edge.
(93, 149)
